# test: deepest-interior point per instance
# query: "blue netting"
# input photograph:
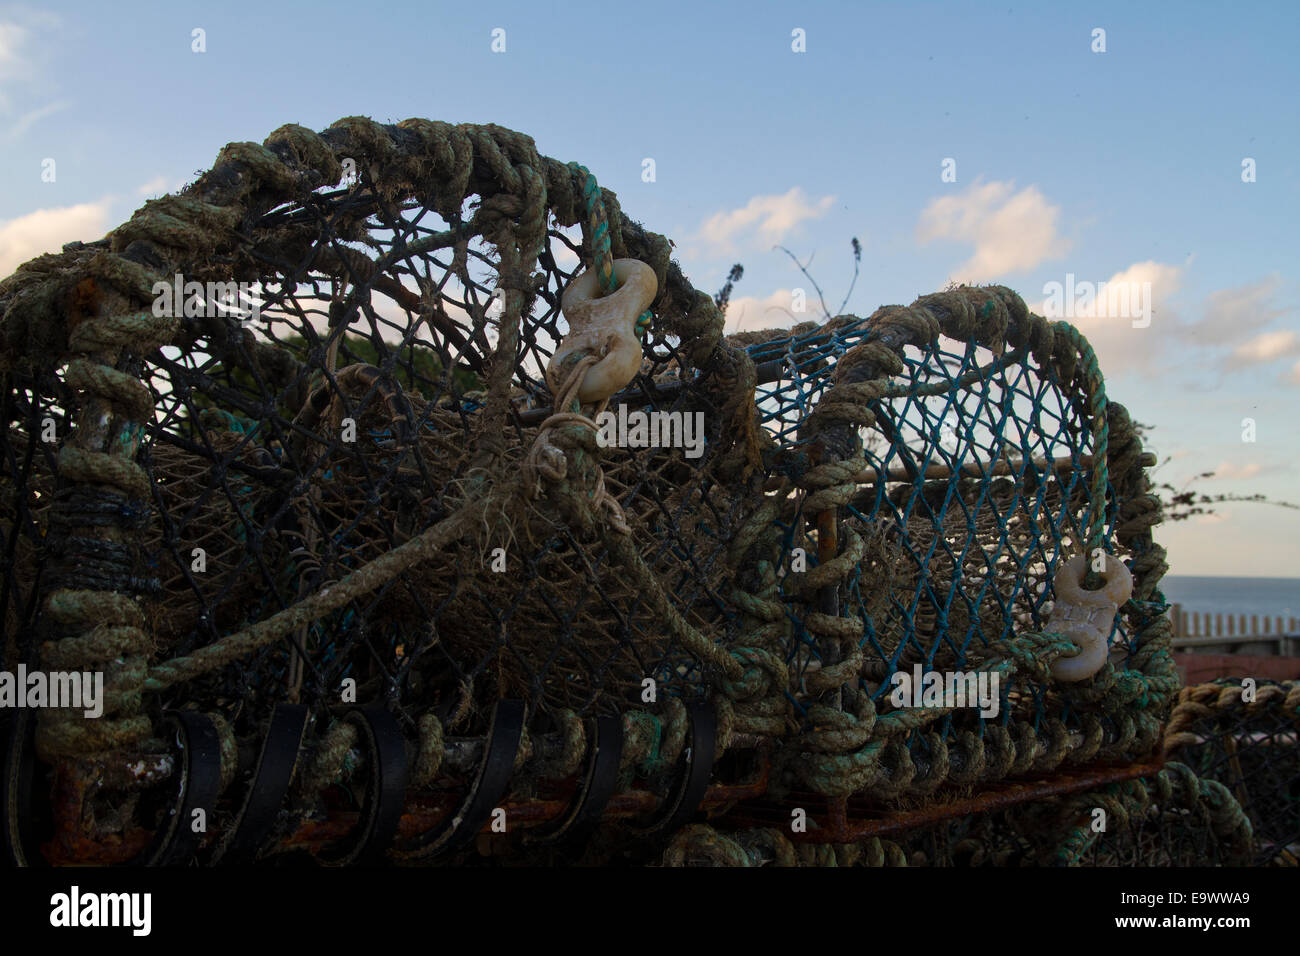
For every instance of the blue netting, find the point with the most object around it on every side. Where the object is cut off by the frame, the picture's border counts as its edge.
(976, 490)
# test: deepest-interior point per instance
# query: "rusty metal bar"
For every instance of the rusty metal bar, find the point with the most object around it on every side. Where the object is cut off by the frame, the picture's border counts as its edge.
(846, 821)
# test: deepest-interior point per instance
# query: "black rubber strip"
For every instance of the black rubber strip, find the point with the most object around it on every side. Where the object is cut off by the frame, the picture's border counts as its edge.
(489, 787)
(598, 785)
(385, 794)
(280, 751)
(17, 776)
(694, 781)
(175, 842)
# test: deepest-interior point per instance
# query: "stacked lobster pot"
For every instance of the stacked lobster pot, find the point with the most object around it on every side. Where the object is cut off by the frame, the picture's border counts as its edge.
(411, 505)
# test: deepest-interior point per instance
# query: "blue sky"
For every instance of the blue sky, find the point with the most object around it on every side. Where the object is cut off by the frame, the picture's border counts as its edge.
(1116, 165)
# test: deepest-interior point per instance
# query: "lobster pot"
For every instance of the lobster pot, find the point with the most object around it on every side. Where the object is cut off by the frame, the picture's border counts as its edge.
(288, 452)
(306, 464)
(972, 482)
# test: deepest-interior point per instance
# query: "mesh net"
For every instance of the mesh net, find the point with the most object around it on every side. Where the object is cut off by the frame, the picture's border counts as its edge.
(865, 495)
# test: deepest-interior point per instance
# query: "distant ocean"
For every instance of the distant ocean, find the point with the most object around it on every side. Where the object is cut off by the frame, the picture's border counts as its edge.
(1267, 597)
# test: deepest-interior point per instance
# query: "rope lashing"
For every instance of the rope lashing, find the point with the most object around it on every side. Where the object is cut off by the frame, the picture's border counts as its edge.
(596, 358)
(596, 228)
(1176, 787)
(104, 628)
(545, 460)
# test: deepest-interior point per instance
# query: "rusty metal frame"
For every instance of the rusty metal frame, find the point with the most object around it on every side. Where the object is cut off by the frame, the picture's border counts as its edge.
(849, 820)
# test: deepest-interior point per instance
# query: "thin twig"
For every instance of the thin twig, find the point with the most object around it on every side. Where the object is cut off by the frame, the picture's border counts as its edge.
(804, 269)
(857, 261)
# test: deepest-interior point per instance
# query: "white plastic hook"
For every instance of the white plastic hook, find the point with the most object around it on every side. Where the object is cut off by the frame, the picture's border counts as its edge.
(1086, 617)
(604, 326)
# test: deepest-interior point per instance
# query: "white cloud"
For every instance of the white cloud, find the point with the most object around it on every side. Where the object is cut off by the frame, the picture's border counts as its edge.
(1119, 346)
(763, 221)
(1229, 471)
(11, 40)
(565, 258)
(19, 54)
(1012, 231)
(1231, 314)
(46, 230)
(154, 187)
(749, 313)
(1265, 347)
(1293, 377)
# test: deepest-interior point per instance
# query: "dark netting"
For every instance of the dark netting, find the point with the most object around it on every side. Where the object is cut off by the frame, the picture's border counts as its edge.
(1251, 748)
(257, 471)
(362, 469)
(26, 488)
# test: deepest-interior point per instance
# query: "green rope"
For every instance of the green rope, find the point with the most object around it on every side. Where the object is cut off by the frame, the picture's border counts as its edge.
(596, 230)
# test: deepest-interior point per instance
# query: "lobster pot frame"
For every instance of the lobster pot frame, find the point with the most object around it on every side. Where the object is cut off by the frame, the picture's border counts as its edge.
(297, 462)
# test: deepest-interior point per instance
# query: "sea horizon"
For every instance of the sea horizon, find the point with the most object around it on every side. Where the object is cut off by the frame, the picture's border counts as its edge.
(1270, 597)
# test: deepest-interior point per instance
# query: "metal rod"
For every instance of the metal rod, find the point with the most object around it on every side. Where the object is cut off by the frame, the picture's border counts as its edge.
(979, 469)
(848, 823)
